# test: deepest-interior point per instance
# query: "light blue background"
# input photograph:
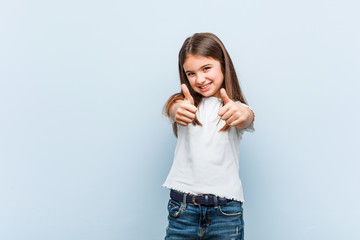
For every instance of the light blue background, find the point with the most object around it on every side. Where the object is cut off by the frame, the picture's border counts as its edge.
(84, 148)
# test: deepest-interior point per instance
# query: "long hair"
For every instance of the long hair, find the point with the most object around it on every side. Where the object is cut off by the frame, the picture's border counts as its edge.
(206, 45)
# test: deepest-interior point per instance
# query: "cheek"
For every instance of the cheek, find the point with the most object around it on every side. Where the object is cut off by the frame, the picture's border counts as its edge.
(192, 82)
(217, 78)
(220, 77)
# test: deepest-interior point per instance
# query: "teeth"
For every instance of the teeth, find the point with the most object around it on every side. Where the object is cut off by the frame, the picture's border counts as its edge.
(205, 86)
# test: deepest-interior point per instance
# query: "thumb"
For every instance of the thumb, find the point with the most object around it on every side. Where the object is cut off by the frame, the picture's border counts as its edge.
(224, 96)
(187, 94)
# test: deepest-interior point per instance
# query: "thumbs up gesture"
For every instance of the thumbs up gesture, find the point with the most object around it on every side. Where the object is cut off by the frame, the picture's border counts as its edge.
(234, 114)
(185, 110)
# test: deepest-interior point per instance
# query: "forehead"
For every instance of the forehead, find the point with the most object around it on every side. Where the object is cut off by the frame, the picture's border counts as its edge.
(194, 62)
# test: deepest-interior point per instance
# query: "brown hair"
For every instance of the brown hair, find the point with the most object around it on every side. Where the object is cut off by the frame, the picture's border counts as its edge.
(206, 45)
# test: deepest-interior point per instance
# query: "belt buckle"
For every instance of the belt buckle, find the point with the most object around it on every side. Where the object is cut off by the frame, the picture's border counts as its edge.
(194, 200)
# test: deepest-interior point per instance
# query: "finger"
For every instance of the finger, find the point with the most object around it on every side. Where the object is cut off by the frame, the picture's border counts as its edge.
(182, 123)
(231, 121)
(223, 110)
(187, 114)
(184, 119)
(236, 122)
(227, 115)
(190, 108)
(224, 96)
(187, 94)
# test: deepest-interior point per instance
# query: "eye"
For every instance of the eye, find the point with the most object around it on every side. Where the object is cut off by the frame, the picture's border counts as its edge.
(206, 68)
(190, 74)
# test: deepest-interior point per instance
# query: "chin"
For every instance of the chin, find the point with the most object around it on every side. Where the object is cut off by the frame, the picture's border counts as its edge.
(204, 94)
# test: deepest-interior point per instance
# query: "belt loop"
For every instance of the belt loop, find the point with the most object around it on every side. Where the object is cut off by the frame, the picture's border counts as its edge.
(184, 201)
(216, 202)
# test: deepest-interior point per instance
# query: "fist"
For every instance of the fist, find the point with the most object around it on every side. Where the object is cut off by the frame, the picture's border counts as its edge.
(232, 113)
(185, 110)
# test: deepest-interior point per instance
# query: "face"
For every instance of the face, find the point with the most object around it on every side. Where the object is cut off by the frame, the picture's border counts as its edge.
(204, 75)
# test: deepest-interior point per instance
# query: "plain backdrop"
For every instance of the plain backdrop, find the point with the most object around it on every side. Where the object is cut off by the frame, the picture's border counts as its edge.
(84, 148)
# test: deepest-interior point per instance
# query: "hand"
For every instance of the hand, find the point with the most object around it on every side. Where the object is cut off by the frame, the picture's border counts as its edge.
(234, 114)
(185, 110)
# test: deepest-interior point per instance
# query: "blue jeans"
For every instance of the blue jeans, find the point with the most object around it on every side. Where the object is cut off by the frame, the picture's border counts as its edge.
(189, 221)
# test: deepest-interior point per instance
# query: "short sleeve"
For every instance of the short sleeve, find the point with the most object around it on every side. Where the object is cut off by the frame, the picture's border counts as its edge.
(249, 128)
(169, 120)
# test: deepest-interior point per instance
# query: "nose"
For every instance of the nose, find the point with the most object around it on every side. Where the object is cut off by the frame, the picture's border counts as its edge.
(200, 79)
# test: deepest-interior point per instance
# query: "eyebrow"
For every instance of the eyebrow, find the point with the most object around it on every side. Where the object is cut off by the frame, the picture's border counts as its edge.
(209, 64)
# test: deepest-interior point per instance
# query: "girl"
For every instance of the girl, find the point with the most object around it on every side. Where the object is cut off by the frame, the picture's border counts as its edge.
(209, 117)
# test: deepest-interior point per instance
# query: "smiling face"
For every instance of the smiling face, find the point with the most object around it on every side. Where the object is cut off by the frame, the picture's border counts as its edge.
(204, 75)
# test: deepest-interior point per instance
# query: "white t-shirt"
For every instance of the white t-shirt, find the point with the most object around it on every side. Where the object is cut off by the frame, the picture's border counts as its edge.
(206, 160)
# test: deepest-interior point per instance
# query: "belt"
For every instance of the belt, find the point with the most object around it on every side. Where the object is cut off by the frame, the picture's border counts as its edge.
(200, 199)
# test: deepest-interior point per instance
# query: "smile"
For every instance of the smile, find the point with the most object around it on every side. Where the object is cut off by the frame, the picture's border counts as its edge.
(205, 86)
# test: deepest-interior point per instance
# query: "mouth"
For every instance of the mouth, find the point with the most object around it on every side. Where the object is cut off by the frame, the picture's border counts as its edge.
(205, 87)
